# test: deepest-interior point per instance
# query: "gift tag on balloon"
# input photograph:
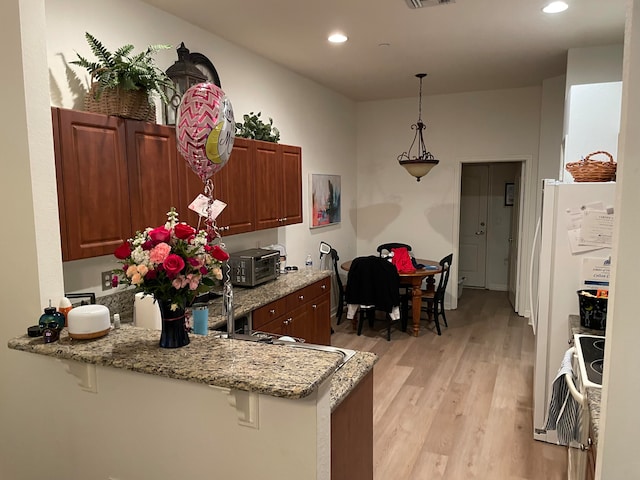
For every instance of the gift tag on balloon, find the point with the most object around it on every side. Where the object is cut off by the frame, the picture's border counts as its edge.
(199, 205)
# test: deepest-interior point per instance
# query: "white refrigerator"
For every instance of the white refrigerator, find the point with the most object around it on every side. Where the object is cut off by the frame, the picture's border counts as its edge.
(557, 273)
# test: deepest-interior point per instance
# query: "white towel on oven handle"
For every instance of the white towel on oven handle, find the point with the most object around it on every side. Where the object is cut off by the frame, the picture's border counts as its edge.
(564, 410)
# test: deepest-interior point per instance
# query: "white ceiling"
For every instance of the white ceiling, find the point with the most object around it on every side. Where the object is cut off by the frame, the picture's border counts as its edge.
(463, 46)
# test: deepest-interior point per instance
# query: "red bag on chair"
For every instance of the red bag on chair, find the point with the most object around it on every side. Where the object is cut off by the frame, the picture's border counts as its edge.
(402, 261)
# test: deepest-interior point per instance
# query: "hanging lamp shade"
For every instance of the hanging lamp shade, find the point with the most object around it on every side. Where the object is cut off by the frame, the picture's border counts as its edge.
(422, 163)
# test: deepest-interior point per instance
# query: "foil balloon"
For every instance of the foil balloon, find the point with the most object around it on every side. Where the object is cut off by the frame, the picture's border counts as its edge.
(205, 129)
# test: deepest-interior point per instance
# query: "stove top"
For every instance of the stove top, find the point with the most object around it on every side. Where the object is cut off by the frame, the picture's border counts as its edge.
(591, 358)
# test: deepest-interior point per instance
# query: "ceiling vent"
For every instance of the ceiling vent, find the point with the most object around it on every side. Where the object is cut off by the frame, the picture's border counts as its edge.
(427, 3)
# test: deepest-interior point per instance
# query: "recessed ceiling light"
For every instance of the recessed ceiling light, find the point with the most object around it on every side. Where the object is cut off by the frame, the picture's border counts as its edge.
(337, 38)
(555, 7)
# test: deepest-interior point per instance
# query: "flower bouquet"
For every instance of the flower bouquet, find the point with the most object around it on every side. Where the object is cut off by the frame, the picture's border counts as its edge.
(173, 262)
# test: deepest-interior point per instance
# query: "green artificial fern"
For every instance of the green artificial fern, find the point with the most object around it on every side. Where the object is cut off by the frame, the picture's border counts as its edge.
(121, 69)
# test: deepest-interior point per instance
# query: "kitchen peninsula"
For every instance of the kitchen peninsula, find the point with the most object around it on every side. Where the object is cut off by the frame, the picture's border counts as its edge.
(224, 408)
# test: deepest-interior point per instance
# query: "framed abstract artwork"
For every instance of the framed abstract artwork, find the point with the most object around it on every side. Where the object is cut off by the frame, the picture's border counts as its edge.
(325, 200)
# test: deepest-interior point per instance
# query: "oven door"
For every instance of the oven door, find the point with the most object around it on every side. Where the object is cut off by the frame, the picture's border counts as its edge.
(577, 453)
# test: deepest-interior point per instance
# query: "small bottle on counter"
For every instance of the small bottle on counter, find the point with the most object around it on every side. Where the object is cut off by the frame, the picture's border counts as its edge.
(51, 315)
(308, 263)
(116, 320)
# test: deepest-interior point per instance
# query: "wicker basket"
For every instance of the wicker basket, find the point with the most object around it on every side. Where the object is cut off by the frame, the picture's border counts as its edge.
(589, 170)
(120, 103)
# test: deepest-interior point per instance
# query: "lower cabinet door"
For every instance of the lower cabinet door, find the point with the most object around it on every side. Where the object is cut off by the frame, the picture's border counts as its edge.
(321, 319)
(300, 324)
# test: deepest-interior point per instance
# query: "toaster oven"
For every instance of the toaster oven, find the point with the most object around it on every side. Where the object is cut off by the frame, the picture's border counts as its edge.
(255, 266)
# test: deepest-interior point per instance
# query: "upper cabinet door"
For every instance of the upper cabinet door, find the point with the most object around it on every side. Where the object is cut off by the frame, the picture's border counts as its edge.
(153, 177)
(234, 185)
(92, 183)
(269, 186)
(292, 183)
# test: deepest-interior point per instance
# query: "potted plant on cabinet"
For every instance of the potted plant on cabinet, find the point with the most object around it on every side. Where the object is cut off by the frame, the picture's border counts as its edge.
(253, 127)
(123, 83)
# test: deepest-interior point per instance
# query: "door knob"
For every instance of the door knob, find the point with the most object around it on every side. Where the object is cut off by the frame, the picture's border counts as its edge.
(480, 232)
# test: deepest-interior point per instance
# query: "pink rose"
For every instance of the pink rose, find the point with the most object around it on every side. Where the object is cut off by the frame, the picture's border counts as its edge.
(173, 264)
(219, 254)
(184, 231)
(123, 251)
(159, 253)
(159, 234)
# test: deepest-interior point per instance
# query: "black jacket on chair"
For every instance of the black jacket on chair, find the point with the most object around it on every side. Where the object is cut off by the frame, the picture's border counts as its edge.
(373, 281)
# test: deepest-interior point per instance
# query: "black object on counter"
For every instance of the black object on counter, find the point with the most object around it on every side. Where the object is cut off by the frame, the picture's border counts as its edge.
(593, 309)
(34, 331)
(91, 296)
(51, 332)
(291, 268)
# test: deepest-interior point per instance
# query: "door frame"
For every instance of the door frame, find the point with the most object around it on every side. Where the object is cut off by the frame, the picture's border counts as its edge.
(525, 227)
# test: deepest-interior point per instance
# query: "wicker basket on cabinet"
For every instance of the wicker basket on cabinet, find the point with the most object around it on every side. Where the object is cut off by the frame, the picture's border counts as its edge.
(119, 102)
(590, 170)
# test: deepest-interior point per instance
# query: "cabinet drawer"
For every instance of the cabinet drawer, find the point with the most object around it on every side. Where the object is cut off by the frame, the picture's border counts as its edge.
(308, 293)
(263, 315)
(319, 288)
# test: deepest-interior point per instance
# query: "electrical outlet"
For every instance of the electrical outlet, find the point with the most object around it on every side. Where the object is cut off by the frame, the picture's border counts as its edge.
(106, 278)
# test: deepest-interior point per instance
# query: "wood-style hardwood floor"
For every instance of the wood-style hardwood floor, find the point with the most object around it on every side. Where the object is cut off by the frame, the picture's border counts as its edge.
(458, 406)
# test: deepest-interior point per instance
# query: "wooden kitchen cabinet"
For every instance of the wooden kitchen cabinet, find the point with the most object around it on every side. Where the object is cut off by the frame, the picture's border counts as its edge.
(278, 184)
(233, 185)
(117, 176)
(304, 314)
(152, 160)
(92, 178)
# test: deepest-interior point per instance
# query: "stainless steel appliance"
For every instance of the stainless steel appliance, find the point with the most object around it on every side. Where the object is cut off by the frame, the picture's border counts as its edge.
(254, 266)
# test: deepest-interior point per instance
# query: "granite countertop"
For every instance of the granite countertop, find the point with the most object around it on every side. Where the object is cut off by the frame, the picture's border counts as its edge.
(593, 401)
(274, 370)
(593, 393)
(245, 300)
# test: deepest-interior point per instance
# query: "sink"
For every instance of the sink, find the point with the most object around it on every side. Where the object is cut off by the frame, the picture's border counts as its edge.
(273, 339)
(345, 352)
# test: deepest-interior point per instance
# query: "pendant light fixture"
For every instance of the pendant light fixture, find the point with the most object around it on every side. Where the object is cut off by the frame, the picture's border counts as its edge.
(419, 165)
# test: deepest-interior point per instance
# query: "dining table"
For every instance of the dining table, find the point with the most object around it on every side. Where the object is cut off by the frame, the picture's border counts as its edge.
(413, 281)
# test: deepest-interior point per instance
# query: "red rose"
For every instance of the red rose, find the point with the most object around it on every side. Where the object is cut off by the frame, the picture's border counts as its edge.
(184, 231)
(151, 275)
(123, 251)
(219, 254)
(173, 264)
(148, 245)
(159, 235)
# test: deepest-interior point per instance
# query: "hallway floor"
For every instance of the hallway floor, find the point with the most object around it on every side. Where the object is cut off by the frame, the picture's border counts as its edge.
(458, 406)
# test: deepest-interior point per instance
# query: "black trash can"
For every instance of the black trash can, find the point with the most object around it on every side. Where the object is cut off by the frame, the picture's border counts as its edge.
(593, 309)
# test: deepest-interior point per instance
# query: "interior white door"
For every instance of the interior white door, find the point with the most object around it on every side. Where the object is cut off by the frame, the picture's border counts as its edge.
(473, 224)
(513, 244)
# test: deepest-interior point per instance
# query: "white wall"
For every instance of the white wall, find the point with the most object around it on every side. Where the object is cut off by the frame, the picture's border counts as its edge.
(30, 244)
(620, 420)
(485, 126)
(320, 121)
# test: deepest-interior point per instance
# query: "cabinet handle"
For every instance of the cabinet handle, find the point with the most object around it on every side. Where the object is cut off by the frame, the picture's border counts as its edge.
(314, 306)
(323, 287)
(287, 321)
(272, 311)
(301, 297)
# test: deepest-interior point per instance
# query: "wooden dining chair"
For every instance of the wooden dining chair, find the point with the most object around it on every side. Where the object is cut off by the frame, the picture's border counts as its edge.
(434, 301)
(373, 284)
(387, 247)
(341, 288)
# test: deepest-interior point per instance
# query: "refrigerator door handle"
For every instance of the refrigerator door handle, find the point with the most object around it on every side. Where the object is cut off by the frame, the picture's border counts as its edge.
(533, 256)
